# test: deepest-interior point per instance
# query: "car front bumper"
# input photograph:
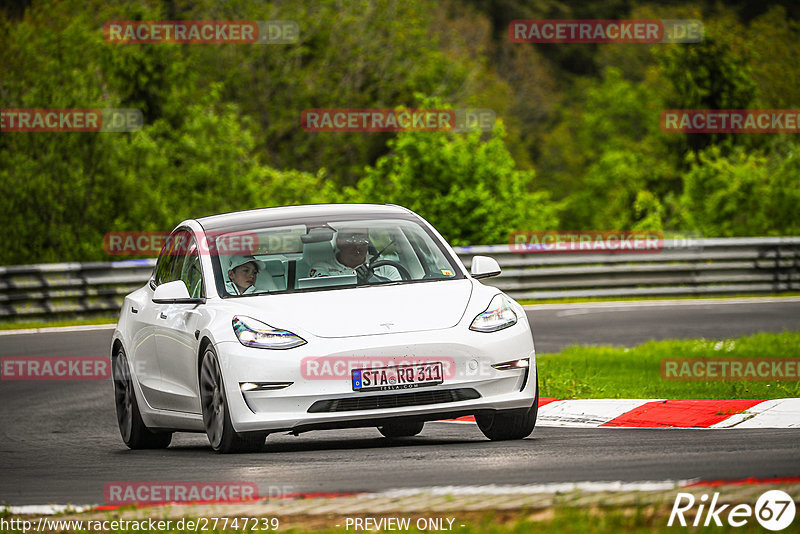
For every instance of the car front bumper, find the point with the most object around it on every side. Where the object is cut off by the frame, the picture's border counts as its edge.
(320, 394)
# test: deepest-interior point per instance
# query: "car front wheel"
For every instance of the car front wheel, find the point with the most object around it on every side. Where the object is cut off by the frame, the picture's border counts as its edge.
(216, 415)
(134, 432)
(510, 424)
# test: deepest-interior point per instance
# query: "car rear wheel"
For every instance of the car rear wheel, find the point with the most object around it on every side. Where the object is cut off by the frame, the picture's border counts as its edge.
(402, 429)
(134, 432)
(217, 416)
(510, 424)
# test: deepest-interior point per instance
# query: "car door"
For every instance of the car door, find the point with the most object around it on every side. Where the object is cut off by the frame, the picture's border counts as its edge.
(145, 318)
(143, 355)
(176, 342)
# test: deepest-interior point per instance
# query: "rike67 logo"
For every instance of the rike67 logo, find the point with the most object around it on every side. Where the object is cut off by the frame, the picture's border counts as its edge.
(774, 510)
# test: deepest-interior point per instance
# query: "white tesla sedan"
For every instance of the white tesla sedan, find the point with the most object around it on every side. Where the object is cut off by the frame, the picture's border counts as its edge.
(304, 318)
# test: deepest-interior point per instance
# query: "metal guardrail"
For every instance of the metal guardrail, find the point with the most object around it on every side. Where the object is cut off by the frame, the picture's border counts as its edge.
(710, 267)
(54, 290)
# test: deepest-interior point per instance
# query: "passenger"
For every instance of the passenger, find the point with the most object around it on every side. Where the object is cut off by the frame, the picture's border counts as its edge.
(242, 275)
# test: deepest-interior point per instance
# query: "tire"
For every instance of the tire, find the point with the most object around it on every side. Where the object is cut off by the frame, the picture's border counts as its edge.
(216, 415)
(510, 424)
(401, 429)
(134, 432)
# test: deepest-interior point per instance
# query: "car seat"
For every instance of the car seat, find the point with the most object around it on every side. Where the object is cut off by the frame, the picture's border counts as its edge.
(274, 273)
(314, 253)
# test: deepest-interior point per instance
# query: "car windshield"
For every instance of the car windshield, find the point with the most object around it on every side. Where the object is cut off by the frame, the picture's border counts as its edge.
(329, 255)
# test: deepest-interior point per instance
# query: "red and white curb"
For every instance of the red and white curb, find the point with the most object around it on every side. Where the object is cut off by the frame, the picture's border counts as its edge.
(660, 413)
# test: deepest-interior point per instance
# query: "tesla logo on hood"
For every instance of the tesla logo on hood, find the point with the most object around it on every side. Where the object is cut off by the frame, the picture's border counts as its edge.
(388, 326)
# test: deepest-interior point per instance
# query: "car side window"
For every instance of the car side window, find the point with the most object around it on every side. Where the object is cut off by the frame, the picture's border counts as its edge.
(170, 262)
(191, 272)
(163, 266)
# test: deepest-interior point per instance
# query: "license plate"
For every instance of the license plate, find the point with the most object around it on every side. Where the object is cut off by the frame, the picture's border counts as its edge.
(398, 377)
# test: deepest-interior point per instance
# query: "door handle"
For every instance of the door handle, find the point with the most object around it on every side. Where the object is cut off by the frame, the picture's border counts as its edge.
(134, 310)
(162, 315)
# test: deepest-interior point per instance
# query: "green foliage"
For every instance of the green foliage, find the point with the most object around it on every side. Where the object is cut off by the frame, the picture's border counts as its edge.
(711, 74)
(195, 155)
(772, 41)
(616, 139)
(635, 373)
(222, 121)
(649, 212)
(742, 193)
(467, 187)
(353, 54)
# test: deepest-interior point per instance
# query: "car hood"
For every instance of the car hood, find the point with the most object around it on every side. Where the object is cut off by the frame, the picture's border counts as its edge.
(366, 310)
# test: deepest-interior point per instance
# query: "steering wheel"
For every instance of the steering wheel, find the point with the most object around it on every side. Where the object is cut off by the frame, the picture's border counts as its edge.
(404, 274)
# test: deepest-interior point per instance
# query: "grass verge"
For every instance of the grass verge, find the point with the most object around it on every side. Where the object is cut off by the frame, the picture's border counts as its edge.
(635, 373)
(560, 520)
(554, 520)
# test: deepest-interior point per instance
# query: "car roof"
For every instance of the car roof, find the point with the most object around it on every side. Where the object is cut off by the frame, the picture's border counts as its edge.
(299, 214)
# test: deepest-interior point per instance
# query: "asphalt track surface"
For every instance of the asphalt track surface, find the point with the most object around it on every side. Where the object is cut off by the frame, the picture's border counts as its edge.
(59, 442)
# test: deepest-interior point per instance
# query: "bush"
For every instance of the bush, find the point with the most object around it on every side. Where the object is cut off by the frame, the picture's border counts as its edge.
(742, 194)
(465, 185)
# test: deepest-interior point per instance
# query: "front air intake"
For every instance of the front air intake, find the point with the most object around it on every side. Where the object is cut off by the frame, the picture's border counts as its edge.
(399, 400)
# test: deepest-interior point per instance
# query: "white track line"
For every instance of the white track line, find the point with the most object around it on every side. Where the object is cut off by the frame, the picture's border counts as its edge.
(58, 329)
(45, 509)
(657, 303)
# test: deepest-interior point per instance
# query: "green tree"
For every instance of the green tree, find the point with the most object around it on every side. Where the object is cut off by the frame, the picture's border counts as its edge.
(711, 74)
(615, 157)
(774, 44)
(742, 194)
(353, 54)
(194, 156)
(467, 187)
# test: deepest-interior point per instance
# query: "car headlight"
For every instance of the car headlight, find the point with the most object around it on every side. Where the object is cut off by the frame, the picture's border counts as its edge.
(497, 316)
(254, 333)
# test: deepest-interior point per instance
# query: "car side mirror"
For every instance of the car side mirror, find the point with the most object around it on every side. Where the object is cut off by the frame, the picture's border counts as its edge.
(174, 292)
(484, 267)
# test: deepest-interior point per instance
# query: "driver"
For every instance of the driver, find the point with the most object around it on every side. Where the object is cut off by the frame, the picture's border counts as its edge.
(351, 257)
